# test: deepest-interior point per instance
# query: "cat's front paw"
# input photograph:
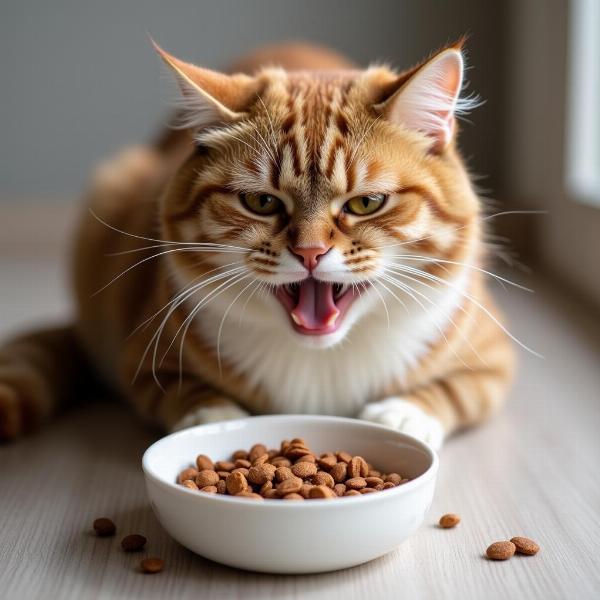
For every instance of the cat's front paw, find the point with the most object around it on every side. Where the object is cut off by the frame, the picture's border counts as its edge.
(407, 417)
(201, 415)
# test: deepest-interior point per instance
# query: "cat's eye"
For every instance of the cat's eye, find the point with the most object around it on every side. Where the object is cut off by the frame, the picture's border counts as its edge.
(365, 205)
(262, 204)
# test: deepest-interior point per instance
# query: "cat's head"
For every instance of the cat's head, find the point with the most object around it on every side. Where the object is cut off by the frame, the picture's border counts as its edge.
(312, 198)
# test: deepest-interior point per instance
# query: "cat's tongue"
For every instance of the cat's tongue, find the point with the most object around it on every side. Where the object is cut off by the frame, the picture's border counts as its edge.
(316, 309)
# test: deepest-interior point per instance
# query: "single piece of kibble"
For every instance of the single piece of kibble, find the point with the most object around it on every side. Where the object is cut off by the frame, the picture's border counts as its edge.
(500, 550)
(152, 565)
(321, 492)
(304, 470)
(133, 542)
(204, 462)
(525, 545)
(104, 527)
(449, 520)
(207, 477)
(190, 485)
(188, 474)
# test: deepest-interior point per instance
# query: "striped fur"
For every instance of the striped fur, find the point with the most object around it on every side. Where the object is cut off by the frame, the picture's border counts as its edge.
(423, 332)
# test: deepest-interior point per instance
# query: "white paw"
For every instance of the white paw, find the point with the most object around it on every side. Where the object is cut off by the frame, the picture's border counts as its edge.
(406, 417)
(210, 414)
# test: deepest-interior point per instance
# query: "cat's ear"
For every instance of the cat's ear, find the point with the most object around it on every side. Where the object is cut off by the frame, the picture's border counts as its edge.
(426, 99)
(209, 97)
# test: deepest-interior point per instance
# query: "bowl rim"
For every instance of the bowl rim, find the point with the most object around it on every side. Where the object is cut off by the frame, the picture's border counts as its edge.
(268, 504)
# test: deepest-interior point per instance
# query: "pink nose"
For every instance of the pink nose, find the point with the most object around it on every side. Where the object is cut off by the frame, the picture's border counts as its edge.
(310, 256)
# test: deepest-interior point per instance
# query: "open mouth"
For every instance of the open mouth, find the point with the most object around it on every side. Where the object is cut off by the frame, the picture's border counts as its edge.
(316, 307)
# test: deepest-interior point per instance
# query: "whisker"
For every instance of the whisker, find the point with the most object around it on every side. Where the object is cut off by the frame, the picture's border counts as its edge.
(264, 144)
(461, 264)
(362, 137)
(181, 293)
(236, 279)
(223, 322)
(387, 314)
(411, 292)
(271, 126)
(157, 255)
(253, 148)
(230, 276)
(258, 287)
(403, 304)
(200, 245)
(174, 307)
(486, 218)
(476, 302)
(149, 239)
(450, 319)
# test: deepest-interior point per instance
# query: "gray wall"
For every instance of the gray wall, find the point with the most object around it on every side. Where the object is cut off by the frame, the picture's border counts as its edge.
(79, 78)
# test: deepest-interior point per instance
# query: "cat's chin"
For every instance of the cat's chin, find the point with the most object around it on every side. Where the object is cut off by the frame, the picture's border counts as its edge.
(322, 341)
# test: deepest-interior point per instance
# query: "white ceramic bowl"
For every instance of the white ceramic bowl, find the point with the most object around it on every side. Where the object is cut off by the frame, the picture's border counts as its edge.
(277, 536)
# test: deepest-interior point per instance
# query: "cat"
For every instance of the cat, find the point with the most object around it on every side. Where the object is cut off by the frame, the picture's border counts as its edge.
(307, 240)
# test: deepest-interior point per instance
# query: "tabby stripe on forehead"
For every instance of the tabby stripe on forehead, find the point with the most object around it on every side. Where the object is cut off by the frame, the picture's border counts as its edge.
(305, 111)
(316, 167)
(342, 123)
(289, 121)
(349, 171)
(275, 170)
(338, 144)
(291, 142)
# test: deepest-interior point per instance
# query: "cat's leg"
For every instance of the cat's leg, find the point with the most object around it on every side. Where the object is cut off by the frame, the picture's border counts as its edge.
(38, 372)
(466, 395)
(177, 405)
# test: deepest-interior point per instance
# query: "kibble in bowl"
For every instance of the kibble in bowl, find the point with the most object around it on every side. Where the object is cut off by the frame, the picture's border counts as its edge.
(313, 495)
(288, 472)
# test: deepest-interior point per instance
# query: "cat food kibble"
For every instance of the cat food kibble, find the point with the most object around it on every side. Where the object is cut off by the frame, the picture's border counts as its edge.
(104, 527)
(500, 550)
(525, 546)
(152, 565)
(291, 472)
(133, 543)
(449, 520)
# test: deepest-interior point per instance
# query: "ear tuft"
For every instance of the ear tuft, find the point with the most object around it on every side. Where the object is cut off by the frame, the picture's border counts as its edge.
(430, 99)
(208, 97)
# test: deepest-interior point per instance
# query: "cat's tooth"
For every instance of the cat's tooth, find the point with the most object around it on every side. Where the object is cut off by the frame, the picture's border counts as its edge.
(332, 319)
(296, 319)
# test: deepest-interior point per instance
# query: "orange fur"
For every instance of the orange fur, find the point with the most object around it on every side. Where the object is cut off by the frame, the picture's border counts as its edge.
(324, 140)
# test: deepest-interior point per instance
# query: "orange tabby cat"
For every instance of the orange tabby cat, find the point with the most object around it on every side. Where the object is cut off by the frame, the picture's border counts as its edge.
(310, 242)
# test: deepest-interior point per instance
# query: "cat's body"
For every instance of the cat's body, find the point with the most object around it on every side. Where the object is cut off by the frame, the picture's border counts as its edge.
(428, 359)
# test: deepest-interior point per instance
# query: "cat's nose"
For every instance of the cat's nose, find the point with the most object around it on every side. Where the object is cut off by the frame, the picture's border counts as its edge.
(309, 257)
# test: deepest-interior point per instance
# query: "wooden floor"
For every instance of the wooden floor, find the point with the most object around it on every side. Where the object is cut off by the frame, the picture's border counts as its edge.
(533, 471)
